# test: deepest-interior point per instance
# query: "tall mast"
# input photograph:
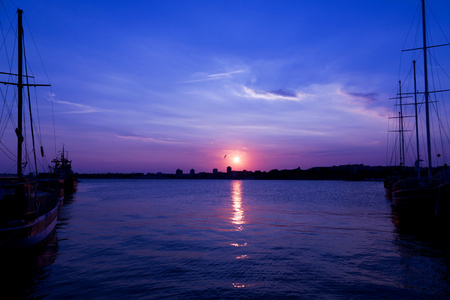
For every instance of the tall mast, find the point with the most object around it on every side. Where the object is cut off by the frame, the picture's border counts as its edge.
(402, 138)
(416, 120)
(427, 95)
(19, 93)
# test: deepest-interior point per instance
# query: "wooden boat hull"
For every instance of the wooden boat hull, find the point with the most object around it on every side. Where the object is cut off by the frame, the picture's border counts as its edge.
(32, 233)
(422, 201)
(415, 201)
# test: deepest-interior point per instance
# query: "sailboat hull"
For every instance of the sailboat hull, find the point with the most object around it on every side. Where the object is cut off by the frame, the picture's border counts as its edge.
(415, 201)
(19, 234)
(421, 201)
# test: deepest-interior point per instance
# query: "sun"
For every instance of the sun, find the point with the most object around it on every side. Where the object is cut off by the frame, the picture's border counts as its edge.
(237, 159)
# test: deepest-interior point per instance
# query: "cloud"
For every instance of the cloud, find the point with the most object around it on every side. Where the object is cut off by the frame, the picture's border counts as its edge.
(364, 104)
(146, 139)
(201, 77)
(369, 97)
(279, 94)
(284, 93)
(81, 108)
(222, 75)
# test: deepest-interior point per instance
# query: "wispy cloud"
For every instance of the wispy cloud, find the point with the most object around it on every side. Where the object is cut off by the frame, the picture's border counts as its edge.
(279, 94)
(369, 97)
(80, 108)
(201, 77)
(362, 104)
(222, 75)
(147, 139)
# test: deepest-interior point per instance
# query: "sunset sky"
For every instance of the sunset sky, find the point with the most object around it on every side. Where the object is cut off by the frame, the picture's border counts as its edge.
(152, 86)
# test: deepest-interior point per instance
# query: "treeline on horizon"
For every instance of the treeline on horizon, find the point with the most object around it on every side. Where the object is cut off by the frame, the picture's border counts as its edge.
(344, 172)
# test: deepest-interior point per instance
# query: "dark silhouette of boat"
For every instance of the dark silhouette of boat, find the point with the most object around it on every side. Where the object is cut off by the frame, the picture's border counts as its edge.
(414, 194)
(28, 207)
(61, 175)
(62, 170)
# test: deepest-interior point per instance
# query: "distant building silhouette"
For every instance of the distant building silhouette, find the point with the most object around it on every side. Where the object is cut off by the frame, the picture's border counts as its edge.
(179, 173)
(215, 171)
(192, 172)
(229, 170)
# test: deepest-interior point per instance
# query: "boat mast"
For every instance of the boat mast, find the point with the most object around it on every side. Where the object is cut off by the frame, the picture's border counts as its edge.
(401, 129)
(19, 94)
(417, 164)
(427, 94)
(20, 86)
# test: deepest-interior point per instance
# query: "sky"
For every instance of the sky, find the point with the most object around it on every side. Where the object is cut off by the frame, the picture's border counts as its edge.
(152, 86)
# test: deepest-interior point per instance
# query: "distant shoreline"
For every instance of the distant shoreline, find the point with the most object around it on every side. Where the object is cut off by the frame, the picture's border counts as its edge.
(344, 172)
(355, 172)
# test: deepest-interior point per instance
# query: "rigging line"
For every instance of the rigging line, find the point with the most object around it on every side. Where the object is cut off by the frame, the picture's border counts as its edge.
(13, 158)
(437, 64)
(445, 110)
(394, 147)
(407, 76)
(10, 169)
(6, 48)
(53, 120)
(441, 126)
(433, 126)
(437, 127)
(11, 28)
(394, 155)
(411, 151)
(37, 50)
(8, 117)
(35, 94)
(44, 165)
(411, 25)
(440, 68)
(48, 79)
(38, 118)
(437, 22)
(387, 137)
(441, 131)
(408, 148)
(39, 134)
(13, 4)
(406, 39)
(29, 105)
(4, 37)
(6, 154)
(3, 112)
(10, 61)
(11, 22)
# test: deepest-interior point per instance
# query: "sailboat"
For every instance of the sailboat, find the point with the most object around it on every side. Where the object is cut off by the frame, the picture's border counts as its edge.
(28, 209)
(415, 193)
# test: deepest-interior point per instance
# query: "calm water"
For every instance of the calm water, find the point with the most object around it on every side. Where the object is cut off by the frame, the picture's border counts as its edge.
(145, 239)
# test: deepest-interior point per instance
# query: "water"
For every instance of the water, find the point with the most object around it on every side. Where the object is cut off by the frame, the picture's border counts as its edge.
(186, 239)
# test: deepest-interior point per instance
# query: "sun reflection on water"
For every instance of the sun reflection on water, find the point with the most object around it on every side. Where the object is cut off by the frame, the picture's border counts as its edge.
(238, 211)
(238, 245)
(241, 285)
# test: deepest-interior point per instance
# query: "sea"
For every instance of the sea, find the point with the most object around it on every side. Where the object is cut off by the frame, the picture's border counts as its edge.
(231, 239)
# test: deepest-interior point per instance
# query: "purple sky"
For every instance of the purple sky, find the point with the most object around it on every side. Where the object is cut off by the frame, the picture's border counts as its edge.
(149, 86)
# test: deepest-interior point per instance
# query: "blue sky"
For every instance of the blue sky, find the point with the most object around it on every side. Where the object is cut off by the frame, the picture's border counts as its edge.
(149, 86)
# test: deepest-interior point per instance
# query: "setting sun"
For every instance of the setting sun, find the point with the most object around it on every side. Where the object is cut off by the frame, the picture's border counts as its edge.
(237, 159)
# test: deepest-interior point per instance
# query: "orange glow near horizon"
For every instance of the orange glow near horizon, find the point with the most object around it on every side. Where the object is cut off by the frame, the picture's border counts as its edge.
(237, 159)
